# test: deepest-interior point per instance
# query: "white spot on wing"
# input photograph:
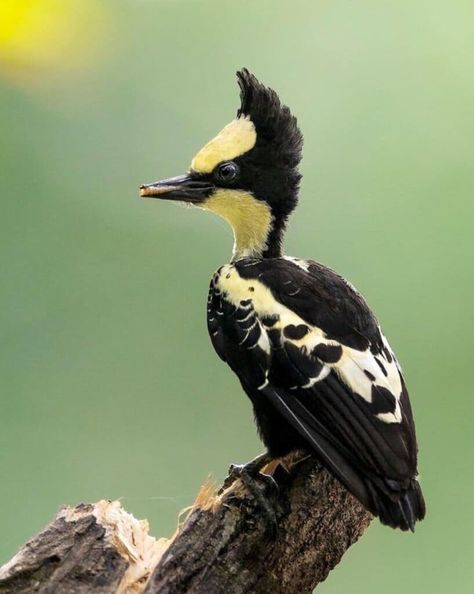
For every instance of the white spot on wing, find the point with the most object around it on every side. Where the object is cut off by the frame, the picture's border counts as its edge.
(264, 341)
(325, 371)
(295, 292)
(388, 417)
(304, 264)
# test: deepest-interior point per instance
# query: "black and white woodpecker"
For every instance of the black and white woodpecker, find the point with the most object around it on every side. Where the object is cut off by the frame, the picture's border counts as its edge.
(303, 342)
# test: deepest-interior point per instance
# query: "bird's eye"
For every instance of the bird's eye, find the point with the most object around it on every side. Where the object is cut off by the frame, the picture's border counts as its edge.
(227, 172)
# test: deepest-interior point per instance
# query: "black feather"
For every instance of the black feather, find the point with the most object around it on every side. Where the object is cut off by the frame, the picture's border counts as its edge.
(277, 129)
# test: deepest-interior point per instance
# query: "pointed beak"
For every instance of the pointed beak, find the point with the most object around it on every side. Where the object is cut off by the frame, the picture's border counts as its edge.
(185, 188)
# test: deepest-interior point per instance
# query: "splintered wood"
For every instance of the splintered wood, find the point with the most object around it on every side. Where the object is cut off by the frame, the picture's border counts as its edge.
(222, 546)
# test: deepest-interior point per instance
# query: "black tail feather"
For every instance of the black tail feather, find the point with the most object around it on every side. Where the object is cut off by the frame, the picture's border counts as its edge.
(402, 510)
(398, 502)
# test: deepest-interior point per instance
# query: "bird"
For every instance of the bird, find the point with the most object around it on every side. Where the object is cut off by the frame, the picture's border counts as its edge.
(306, 347)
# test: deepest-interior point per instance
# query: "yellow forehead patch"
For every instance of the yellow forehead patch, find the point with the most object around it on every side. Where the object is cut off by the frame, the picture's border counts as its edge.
(234, 140)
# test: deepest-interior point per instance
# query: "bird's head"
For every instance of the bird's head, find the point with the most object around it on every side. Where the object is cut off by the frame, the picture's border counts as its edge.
(248, 174)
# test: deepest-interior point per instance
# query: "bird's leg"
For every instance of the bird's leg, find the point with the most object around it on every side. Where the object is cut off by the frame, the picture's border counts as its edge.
(258, 485)
(252, 468)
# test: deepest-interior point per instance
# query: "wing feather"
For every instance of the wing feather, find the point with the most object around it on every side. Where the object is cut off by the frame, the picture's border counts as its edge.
(318, 437)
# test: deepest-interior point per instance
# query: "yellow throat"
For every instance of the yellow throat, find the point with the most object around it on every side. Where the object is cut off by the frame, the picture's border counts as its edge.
(250, 219)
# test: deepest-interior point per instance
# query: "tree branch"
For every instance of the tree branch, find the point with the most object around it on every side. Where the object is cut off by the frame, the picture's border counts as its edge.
(224, 545)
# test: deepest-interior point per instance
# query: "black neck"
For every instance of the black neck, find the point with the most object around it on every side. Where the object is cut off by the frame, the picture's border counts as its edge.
(275, 240)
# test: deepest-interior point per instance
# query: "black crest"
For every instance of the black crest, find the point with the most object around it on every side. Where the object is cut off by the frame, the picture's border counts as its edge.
(277, 129)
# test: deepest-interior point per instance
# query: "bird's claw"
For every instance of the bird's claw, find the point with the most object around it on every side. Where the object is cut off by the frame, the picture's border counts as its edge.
(262, 488)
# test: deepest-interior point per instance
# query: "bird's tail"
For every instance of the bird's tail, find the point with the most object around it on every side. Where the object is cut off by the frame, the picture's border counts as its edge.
(400, 509)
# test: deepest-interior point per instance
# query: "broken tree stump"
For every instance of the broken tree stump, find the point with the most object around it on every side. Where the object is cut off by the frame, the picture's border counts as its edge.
(223, 546)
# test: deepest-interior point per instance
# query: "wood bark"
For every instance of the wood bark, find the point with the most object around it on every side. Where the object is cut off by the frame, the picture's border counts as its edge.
(224, 546)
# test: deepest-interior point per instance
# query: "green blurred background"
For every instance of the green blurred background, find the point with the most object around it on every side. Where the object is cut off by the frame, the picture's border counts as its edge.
(109, 385)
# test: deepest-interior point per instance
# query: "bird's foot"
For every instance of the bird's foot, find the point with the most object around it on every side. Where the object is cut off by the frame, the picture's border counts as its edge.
(250, 475)
(251, 471)
(262, 487)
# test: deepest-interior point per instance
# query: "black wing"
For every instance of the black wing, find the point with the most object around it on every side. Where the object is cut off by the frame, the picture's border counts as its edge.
(308, 350)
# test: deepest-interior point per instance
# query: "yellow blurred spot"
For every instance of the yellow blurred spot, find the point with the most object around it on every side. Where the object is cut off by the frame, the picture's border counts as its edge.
(40, 38)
